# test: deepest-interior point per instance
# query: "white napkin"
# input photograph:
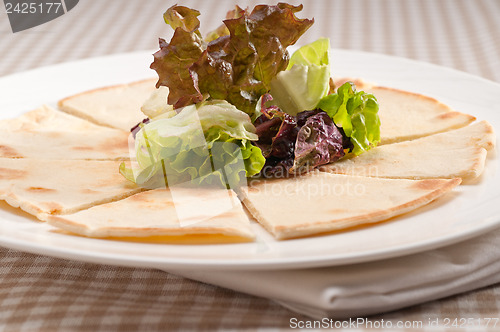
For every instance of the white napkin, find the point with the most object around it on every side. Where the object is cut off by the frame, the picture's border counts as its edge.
(370, 288)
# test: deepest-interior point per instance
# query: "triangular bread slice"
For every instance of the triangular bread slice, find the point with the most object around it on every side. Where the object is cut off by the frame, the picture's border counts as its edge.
(117, 106)
(43, 187)
(456, 153)
(405, 115)
(46, 133)
(320, 202)
(156, 213)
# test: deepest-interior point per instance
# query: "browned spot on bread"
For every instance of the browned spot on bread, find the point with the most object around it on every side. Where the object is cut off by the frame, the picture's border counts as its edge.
(119, 142)
(83, 148)
(140, 197)
(488, 129)
(430, 184)
(453, 114)
(149, 199)
(41, 190)
(335, 211)
(89, 191)
(11, 174)
(229, 214)
(7, 151)
(447, 115)
(253, 190)
(52, 208)
(434, 184)
(54, 134)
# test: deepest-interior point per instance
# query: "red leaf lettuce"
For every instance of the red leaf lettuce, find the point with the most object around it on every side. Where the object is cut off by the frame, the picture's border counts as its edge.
(237, 67)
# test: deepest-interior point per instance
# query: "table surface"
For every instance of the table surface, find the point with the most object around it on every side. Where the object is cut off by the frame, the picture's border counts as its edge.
(44, 293)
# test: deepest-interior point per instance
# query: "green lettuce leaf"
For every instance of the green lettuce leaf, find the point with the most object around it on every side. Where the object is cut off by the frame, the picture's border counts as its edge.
(306, 81)
(209, 142)
(237, 67)
(300, 88)
(156, 105)
(356, 113)
(316, 53)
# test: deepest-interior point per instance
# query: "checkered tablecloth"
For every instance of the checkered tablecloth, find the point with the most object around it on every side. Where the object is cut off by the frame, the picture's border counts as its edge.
(44, 293)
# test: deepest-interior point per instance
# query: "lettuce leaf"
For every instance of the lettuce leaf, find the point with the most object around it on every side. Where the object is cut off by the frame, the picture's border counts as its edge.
(297, 144)
(222, 29)
(316, 53)
(172, 63)
(205, 143)
(356, 113)
(305, 85)
(237, 67)
(319, 142)
(300, 88)
(156, 105)
(306, 80)
(182, 17)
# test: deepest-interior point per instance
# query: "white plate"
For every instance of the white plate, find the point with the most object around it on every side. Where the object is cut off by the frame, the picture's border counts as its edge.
(469, 211)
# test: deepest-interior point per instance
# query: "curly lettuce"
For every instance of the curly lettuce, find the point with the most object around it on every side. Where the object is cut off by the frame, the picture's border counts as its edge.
(297, 144)
(209, 142)
(319, 142)
(356, 112)
(182, 17)
(237, 67)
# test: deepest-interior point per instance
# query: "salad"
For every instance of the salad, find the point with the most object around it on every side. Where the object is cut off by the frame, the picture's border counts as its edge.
(235, 104)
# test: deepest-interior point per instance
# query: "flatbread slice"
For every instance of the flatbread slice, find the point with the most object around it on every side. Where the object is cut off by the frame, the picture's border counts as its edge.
(406, 116)
(456, 153)
(320, 202)
(116, 106)
(44, 187)
(49, 134)
(156, 213)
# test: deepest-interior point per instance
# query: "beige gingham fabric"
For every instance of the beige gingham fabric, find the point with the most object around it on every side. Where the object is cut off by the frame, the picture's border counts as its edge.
(39, 293)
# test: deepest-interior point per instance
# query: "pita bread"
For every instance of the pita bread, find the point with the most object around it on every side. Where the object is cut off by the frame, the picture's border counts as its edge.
(405, 115)
(456, 153)
(156, 213)
(335, 202)
(116, 106)
(42, 187)
(49, 134)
